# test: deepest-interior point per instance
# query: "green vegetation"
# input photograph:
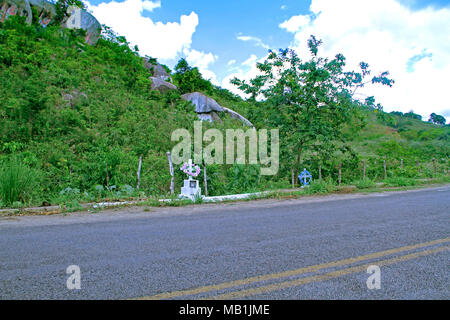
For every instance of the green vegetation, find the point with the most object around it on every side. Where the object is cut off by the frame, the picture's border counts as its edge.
(18, 183)
(74, 120)
(364, 183)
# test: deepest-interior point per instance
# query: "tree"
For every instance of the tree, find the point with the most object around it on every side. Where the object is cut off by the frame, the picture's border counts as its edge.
(310, 102)
(412, 115)
(189, 79)
(437, 119)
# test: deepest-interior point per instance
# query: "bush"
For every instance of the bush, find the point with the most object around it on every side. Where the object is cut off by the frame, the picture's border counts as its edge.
(17, 183)
(364, 184)
(321, 186)
(400, 182)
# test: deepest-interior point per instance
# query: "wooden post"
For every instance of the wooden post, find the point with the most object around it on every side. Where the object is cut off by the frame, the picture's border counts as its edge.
(364, 169)
(340, 173)
(385, 172)
(434, 166)
(401, 163)
(205, 180)
(107, 175)
(320, 172)
(293, 178)
(139, 173)
(172, 182)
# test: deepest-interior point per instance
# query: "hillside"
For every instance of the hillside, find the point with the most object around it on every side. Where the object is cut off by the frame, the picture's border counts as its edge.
(75, 118)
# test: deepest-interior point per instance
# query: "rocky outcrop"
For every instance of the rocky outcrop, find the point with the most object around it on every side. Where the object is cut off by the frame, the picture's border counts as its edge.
(210, 116)
(74, 97)
(15, 7)
(207, 108)
(237, 116)
(78, 19)
(157, 70)
(161, 85)
(202, 103)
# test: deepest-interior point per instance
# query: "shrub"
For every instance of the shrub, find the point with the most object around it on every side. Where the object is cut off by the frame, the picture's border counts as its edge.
(321, 186)
(400, 182)
(364, 184)
(17, 183)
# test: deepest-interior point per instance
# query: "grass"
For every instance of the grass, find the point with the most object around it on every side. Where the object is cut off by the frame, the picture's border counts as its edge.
(18, 184)
(324, 187)
(400, 182)
(321, 186)
(364, 184)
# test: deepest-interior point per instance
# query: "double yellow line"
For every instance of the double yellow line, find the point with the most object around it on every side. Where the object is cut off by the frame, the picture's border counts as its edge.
(309, 269)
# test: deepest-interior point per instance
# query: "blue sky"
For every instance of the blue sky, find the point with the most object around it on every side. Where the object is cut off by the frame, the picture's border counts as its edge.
(410, 38)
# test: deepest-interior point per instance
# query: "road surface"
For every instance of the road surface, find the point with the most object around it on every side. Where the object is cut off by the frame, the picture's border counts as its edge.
(310, 248)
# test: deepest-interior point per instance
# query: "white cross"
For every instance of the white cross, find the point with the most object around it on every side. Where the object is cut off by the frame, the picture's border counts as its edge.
(190, 168)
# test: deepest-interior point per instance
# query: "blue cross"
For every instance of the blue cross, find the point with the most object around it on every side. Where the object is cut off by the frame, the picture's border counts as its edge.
(305, 177)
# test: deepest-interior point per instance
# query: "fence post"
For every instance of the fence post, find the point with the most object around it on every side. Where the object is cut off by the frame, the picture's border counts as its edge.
(172, 182)
(434, 166)
(418, 165)
(292, 178)
(320, 172)
(385, 173)
(107, 175)
(364, 169)
(340, 173)
(139, 173)
(401, 163)
(206, 181)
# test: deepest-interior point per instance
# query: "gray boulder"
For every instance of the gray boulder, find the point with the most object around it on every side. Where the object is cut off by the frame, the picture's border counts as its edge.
(161, 85)
(81, 19)
(233, 114)
(210, 116)
(157, 71)
(202, 103)
(74, 97)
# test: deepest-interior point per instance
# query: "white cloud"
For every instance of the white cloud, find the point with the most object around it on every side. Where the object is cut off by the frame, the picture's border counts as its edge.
(156, 39)
(295, 23)
(231, 62)
(250, 73)
(202, 61)
(283, 7)
(250, 61)
(150, 5)
(412, 44)
(256, 41)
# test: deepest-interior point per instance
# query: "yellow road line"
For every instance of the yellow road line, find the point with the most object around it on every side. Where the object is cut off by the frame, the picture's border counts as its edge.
(314, 268)
(322, 277)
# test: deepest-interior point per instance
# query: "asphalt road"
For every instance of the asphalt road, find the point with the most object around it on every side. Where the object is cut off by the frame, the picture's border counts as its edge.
(312, 248)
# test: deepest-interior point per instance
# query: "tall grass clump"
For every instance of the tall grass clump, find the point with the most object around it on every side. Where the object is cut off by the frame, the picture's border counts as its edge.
(400, 182)
(321, 186)
(364, 183)
(18, 183)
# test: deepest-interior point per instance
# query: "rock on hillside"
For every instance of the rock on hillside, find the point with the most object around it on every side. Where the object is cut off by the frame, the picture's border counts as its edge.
(161, 85)
(207, 108)
(157, 70)
(202, 103)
